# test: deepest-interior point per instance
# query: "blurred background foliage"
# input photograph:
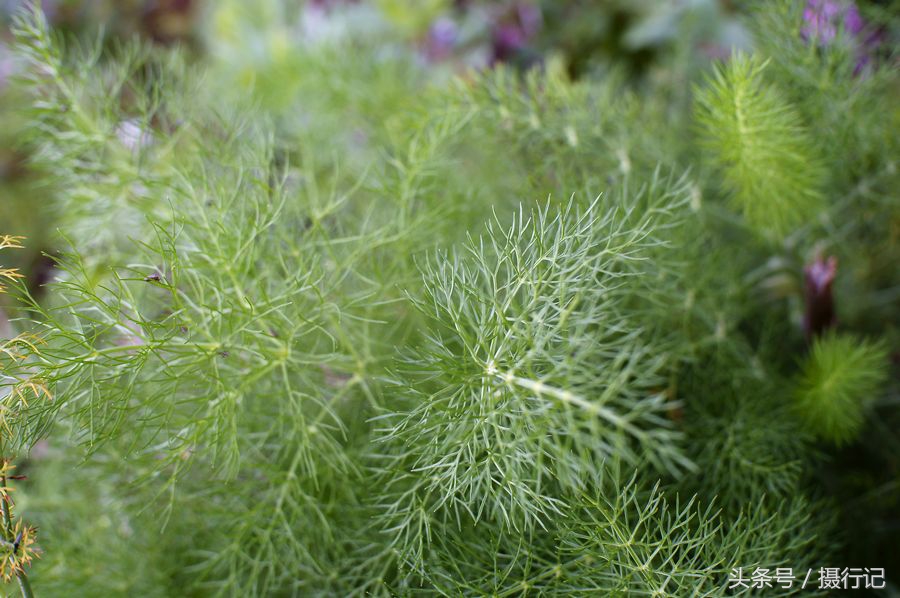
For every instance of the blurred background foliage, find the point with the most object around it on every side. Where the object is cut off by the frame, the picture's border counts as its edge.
(255, 49)
(259, 51)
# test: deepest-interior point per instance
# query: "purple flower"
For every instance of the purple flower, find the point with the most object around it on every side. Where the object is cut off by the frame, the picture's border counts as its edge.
(442, 38)
(513, 31)
(529, 17)
(508, 40)
(822, 19)
(867, 49)
(819, 316)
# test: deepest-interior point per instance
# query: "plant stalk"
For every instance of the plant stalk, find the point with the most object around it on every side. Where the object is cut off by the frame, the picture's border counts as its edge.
(24, 586)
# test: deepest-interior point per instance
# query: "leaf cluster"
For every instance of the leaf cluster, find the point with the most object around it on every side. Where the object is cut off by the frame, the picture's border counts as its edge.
(509, 338)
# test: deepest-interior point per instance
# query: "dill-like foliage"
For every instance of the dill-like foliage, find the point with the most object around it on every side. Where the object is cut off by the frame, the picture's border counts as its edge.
(534, 369)
(321, 323)
(759, 141)
(839, 380)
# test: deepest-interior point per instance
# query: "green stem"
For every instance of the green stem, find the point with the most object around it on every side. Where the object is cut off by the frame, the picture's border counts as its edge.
(4, 505)
(24, 586)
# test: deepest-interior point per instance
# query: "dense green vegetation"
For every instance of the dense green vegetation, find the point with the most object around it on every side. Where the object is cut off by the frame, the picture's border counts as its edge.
(330, 318)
